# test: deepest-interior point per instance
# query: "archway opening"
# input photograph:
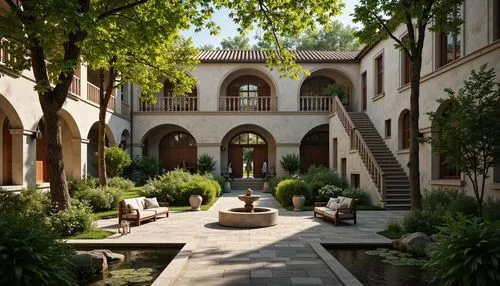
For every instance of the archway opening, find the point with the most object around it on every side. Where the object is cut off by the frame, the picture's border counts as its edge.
(10, 156)
(314, 149)
(178, 150)
(441, 168)
(247, 153)
(6, 153)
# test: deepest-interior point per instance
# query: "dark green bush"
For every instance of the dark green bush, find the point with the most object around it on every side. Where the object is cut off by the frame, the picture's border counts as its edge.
(362, 197)
(289, 187)
(29, 202)
(491, 209)
(30, 254)
(328, 191)
(82, 185)
(222, 183)
(143, 169)
(467, 252)
(463, 204)
(273, 183)
(121, 183)
(78, 218)
(317, 177)
(205, 164)
(117, 160)
(425, 221)
(100, 199)
(198, 185)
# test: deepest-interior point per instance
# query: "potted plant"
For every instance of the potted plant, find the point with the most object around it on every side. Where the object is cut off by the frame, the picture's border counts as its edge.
(298, 202)
(195, 202)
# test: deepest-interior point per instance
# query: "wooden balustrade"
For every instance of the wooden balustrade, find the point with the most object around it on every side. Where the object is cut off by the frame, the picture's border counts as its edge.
(74, 88)
(177, 104)
(251, 103)
(358, 143)
(315, 103)
(93, 95)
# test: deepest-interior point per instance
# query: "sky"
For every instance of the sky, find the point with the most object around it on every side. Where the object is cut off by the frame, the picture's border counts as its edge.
(229, 28)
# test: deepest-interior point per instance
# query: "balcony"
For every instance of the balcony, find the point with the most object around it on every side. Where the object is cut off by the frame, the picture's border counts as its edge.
(172, 104)
(315, 103)
(248, 104)
(93, 96)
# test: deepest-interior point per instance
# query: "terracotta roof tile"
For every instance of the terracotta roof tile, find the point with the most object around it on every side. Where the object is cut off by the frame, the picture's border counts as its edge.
(256, 56)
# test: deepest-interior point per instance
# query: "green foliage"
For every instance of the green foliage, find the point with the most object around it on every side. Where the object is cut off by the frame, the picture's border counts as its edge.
(77, 219)
(425, 221)
(468, 129)
(467, 252)
(328, 191)
(336, 89)
(273, 183)
(290, 163)
(29, 202)
(362, 197)
(82, 185)
(394, 230)
(222, 183)
(30, 253)
(176, 186)
(317, 177)
(491, 209)
(205, 164)
(143, 169)
(289, 187)
(117, 160)
(120, 183)
(236, 43)
(101, 198)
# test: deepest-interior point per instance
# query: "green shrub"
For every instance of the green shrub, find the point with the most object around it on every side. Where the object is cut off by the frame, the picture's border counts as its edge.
(491, 209)
(30, 254)
(143, 169)
(467, 252)
(463, 204)
(76, 186)
(101, 199)
(435, 199)
(362, 197)
(78, 218)
(198, 185)
(289, 187)
(29, 202)
(317, 177)
(121, 183)
(425, 221)
(117, 160)
(166, 187)
(222, 183)
(394, 229)
(290, 163)
(205, 164)
(328, 191)
(273, 183)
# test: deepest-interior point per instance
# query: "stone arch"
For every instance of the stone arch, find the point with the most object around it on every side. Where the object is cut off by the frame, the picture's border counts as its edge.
(314, 148)
(265, 97)
(261, 152)
(325, 72)
(125, 139)
(10, 157)
(404, 129)
(92, 146)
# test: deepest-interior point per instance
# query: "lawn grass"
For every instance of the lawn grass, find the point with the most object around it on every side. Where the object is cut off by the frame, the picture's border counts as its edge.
(391, 234)
(95, 234)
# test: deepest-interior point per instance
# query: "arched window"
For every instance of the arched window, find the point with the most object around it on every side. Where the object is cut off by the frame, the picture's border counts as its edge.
(177, 139)
(248, 93)
(248, 139)
(172, 102)
(405, 130)
(315, 86)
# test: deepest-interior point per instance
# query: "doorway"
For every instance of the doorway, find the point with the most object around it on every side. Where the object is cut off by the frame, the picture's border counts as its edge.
(247, 152)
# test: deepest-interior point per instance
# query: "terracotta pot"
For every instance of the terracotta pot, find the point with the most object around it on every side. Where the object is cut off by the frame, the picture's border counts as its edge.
(195, 202)
(298, 202)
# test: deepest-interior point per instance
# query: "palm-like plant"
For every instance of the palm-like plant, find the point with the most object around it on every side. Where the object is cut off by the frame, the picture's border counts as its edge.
(290, 162)
(205, 164)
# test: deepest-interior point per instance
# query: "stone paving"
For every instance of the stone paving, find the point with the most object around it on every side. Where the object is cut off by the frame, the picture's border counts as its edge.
(277, 255)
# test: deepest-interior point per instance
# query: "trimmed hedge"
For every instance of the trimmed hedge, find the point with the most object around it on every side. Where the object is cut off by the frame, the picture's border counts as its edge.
(289, 187)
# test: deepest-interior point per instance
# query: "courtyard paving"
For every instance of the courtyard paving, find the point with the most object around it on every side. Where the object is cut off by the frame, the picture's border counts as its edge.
(278, 255)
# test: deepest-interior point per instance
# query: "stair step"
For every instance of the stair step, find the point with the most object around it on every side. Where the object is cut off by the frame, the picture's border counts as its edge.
(398, 207)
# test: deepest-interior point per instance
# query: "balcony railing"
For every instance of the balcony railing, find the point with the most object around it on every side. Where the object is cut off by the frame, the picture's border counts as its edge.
(74, 88)
(315, 103)
(250, 104)
(93, 95)
(177, 104)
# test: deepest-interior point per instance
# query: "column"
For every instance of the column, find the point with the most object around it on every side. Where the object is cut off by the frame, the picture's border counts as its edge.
(136, 150)
(83, 157)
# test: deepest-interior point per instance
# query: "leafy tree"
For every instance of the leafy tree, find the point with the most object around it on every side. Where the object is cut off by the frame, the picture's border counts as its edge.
(207, 47)
(117, 160)
(52, 36)
(471, 141)
(236, 43)
(338, 38)
(381, 18)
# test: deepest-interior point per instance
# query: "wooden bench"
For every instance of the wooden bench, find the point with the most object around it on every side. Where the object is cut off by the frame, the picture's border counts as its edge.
(344, 209)
(135, 210)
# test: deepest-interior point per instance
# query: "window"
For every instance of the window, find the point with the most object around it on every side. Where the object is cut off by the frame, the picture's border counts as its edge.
(379, 67)
(363, 90)
(388, 128)
(247, 93)
(405, 130)
(343, 167)
(335, 153)
(315, 86)
(248, 139)
(177, 139)
(355, 181)
(496, 20)
(448, 171)
(405, 65)
(449, 46)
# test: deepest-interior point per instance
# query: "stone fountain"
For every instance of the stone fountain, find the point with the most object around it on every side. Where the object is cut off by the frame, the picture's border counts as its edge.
(248, 216)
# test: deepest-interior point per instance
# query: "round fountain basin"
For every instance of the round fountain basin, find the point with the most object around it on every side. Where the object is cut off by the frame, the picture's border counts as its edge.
(237, 217)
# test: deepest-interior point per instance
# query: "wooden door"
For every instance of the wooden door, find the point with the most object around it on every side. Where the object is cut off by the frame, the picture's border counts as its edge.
(236, 157)
(313, 155)
(42, 166)
(172, 157)
(259, 155)
(7, 153)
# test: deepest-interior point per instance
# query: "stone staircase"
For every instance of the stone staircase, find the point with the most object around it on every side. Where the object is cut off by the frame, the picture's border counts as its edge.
(244, 183)
(397, 188)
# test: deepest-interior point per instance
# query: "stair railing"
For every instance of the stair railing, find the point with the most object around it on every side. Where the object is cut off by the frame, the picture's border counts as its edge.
(358, 143)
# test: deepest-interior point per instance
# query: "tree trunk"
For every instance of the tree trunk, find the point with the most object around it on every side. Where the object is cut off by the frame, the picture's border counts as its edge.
(414, 163)
(57, 176)
(101, 135)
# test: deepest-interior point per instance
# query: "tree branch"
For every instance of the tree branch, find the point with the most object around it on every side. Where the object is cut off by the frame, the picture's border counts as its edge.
(121, 8)
(265, 11)
(389, 32)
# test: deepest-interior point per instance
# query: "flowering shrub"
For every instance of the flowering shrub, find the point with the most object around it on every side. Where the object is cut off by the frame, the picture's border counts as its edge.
(329, 191)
